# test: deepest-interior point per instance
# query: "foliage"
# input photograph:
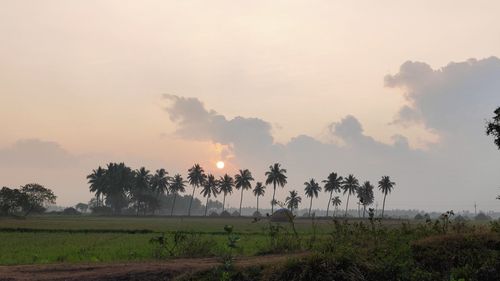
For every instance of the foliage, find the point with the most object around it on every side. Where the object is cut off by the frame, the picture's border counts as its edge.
(493, 127)
(276, 176)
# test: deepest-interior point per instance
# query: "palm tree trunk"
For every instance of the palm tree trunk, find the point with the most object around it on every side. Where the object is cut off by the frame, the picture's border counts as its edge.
(206, 206)
(224, 202)
(191, 201)
(241, 200)
(364, 210)
(383, 205)
(329, 200)
(173, 205)
(257, 203)
(347, 204)
(272, 202)
(310, 206)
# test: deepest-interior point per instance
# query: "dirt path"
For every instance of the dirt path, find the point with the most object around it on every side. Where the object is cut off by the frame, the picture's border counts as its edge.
(126, 271)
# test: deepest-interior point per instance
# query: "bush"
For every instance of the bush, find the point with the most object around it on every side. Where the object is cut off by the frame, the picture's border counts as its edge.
(482, 217)
(235, 214)
(70, 211)
(225, 214)
(257, 214)
(460, 252)
(214, 214)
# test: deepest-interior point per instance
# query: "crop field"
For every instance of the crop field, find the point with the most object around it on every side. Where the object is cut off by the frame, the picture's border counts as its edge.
(48, 239)
(383, 249)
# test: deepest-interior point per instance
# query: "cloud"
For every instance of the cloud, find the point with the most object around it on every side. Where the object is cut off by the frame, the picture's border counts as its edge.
(244, 135)
(35, 153)
(451, 100)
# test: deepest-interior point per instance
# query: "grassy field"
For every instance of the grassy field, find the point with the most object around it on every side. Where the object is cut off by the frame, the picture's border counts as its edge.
(48, 239)
(384, 250)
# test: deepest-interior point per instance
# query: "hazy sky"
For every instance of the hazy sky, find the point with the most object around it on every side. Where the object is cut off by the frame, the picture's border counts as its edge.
(401, 88)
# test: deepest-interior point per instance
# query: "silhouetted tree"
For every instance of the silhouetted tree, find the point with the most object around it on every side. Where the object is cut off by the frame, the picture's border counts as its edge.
(386, 186)
(243, 181)
(178, 185)
(35, 197)
(97, 182)
(333, 183)
(11, 200)
(258, 191)
(276, 176)
(493, 127)
(141, 190)
(196, 177)
(312, 189)
(210, 188)
(293, 200)
(160, 183)
(350, 186)
(336, 202)
(226, 184)
(365, 195)
(119, 179)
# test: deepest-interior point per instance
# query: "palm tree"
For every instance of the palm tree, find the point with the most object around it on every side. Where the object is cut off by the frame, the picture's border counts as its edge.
(196, 177)
(226, 184)
(160, 181)
(336, 202)
(178, 185)
(293, 200)
(243, 181)
(259, 190)
(349, 186)
(386, 186)
(333, 183)
(209, 188)
(97, 184)
(276, 176)
(141, 188)
(365, 195)
(312, 189)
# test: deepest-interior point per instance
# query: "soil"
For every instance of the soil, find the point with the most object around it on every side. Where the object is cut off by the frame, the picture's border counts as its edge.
(145, 271)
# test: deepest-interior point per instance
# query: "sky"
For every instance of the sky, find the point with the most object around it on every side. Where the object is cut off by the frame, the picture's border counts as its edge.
(372, 88)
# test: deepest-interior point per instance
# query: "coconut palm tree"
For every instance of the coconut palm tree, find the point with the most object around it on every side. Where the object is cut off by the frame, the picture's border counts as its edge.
(259, 190)
(350, 185)
(160, 182)
(243, 181)
(141, 189)
(210, 188)
(386, 186)
(97, 184)
(336, 202)
(293, 200)
(226, 184)
(276, 176)
(365, 195)
(178, 185)
(333, 183)
(196, 177)
(312, 189)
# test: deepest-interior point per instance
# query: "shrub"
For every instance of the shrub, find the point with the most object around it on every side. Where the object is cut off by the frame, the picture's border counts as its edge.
(257, 214)
(482, 217)
(101, 210)
(70, 211)
(214, 214)
(235, 214)
(443, 253)
(225, 214)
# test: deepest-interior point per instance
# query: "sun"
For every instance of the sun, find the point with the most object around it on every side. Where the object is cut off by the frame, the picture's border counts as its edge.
(220, 165)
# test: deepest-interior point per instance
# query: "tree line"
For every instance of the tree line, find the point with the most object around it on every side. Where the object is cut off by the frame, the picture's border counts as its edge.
(118, 186)
(30, 198)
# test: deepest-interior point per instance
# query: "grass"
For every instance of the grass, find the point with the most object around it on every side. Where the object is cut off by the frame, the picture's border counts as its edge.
(391, 250)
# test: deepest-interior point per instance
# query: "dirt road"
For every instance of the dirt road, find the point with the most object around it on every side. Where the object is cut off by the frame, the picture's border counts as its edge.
(146, 271)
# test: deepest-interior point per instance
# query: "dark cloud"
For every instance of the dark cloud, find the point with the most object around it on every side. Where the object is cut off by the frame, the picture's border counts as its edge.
(454, 99)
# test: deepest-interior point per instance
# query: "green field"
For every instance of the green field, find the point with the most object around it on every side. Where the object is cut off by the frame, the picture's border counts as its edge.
(385, 250)
(47, 239)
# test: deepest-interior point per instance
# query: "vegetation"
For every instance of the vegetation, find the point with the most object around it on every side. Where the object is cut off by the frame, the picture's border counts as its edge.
(276, 176)
(30, 198)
